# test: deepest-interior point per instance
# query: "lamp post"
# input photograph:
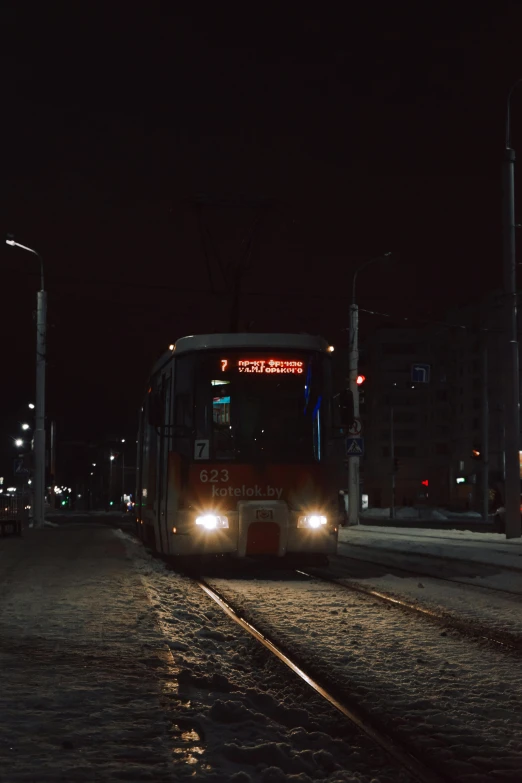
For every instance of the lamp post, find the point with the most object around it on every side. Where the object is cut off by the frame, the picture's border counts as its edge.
(39, 432)
(111, 460)
(512, 407)
(123, 470)
(353, 462)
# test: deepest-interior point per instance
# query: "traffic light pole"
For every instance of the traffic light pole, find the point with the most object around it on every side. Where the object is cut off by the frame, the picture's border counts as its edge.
(353, 462)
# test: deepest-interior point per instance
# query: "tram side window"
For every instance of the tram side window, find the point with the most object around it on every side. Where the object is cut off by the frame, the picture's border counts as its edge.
(183, 415)
(183, 405)
(221, 420)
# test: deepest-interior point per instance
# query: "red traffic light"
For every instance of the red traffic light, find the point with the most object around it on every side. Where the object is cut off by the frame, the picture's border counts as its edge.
(360, 379)
(425, 483)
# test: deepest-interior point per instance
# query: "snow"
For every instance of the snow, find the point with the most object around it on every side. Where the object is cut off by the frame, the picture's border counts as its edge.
(259, 723)
(114, 668)
(80, 698)
(458, 701)
(419, 512)
(487, 548)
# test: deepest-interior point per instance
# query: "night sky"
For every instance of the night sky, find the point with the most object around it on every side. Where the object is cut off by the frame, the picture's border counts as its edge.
(338, 136)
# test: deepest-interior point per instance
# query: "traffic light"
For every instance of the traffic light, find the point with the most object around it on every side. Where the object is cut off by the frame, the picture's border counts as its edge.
(425, 483)
(359, 381)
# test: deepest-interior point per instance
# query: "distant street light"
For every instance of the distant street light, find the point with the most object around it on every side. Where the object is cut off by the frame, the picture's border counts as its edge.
(31, 405)
(25, 426)
(39, 432)
(19, 442)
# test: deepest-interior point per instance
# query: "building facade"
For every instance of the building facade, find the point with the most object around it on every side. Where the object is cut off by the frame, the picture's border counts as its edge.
(424, 414)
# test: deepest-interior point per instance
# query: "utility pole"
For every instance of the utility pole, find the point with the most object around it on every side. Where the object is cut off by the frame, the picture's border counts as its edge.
(353, 462)
(485, 427)
(110, 477)
(392, 455)
(512, 409)
(39, 432)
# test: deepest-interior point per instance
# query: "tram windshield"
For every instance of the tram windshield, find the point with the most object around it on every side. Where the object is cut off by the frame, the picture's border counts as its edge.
(264, 406)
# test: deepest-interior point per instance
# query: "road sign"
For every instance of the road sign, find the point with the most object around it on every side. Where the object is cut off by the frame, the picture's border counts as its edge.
(354, 447)
(420, 373)
(19, 468)
(355, 427)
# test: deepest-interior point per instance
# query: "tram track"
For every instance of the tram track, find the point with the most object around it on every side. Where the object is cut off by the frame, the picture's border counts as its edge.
(426, 574)
(406, 755)
(430, 556)
(505, 640)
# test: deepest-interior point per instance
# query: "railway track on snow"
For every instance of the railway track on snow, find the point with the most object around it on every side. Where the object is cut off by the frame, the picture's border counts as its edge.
(429, 556)
(408, 757)
(505, 639)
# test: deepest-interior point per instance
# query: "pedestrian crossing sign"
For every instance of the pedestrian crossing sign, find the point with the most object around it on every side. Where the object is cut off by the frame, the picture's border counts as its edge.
(354, 447)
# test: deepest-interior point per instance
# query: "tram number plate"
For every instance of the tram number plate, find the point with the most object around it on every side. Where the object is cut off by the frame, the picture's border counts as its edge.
(201, 449)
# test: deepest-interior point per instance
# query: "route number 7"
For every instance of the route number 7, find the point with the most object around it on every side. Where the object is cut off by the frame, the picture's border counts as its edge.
(201, 449)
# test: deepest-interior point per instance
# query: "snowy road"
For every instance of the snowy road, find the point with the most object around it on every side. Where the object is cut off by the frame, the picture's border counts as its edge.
(113, 668)
(80, 662)
(475, 577)
(458, 701)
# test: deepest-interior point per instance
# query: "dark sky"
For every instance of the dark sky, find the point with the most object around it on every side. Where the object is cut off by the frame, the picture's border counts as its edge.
(377, 128)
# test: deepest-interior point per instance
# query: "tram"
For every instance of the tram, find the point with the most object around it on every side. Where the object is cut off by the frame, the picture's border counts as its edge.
(240, 448)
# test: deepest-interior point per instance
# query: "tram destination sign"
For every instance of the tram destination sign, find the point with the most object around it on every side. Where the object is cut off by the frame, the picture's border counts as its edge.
(263, 366)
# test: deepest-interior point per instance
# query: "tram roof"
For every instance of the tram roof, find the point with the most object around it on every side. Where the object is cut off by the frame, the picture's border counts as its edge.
(209, 342)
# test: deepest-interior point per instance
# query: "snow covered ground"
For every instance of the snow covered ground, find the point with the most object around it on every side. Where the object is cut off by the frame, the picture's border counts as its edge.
(487, 548)
(258, 723)
(472, 592)
(80, 654)
(421, 512)
(460, 702)
(113, 668)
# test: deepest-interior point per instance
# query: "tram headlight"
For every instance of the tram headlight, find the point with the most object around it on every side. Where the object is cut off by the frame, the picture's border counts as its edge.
(212, 521)
(313, 521)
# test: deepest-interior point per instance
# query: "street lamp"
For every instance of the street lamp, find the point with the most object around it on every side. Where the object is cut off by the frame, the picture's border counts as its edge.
(39, 432)
(19, 443)
(123, 472)
(512, 409)
(25, 426)
(353, 462)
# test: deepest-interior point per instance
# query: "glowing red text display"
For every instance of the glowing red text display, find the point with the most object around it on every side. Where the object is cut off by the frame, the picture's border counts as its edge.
(264, 366)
